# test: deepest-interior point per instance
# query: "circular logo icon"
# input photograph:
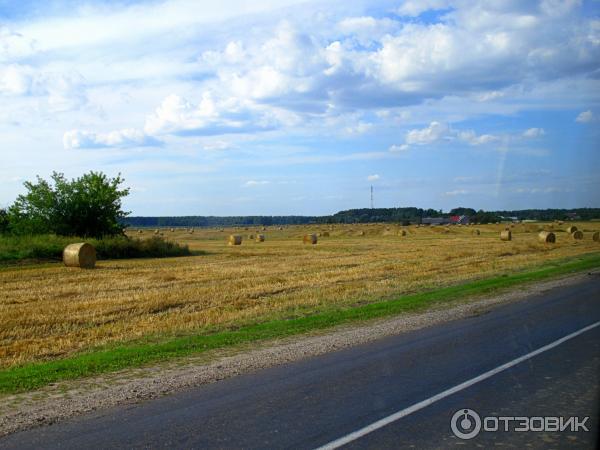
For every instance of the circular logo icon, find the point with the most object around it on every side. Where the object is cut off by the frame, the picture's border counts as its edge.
(465, 424)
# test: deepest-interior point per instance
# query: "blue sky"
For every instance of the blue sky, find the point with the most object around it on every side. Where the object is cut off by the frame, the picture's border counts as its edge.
(297, 107)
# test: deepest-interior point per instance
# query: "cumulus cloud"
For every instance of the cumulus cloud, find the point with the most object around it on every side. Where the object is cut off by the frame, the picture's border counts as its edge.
(176, 115)
(456, 192)
(126, 138)
(534, 132)
(398, 148)
(585, 117)
(374, 177)
(440, 132)
(254, 183)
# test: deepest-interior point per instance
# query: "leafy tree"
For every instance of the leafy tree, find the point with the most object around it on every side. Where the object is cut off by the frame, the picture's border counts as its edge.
(3, 221)
(88, 206)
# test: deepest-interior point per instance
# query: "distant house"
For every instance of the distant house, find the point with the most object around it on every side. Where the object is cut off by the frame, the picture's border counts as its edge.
(459, 220)
(434, 221)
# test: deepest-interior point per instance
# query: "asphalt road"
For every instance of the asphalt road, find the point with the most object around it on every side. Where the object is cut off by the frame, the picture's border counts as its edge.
(313, 402)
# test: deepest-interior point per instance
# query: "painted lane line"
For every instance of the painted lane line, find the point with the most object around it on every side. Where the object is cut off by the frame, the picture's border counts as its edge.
(422, 404)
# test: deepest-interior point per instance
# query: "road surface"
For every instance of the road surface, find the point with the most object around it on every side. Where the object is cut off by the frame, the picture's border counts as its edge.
(320, 400)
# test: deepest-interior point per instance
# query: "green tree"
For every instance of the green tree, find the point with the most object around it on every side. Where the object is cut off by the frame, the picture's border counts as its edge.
(3, 221)
(88, 206)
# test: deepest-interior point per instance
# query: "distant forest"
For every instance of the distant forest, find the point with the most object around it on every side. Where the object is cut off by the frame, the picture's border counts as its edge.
(365, 215)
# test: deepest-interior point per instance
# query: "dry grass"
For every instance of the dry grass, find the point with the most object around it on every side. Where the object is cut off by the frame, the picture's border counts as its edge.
(53, 311)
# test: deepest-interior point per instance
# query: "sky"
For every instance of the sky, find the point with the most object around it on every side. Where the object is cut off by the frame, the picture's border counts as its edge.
(280, 107)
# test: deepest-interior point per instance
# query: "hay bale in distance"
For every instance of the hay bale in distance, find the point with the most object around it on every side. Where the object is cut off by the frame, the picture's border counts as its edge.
(547, 237)
(156, 231)
(140, 231)
(476, 232)
(235, 239)
(325, 234)
(310, 239)
(577, 235)
(361, 233)
(506, 235)
(250, 236)
(260, 238)
(172, 230)
(81, 255)
(596, 236)
(572, 229)
(402, 232)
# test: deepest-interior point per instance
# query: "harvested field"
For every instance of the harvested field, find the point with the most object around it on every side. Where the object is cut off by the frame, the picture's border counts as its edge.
(50, 311)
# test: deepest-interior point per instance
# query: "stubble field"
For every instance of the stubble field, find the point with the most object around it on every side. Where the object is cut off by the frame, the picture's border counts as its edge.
(51, 311)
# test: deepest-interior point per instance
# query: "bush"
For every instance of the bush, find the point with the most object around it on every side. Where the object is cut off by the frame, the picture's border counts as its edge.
(48, 246)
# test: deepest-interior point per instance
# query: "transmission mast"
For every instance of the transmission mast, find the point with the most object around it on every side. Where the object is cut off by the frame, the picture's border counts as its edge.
(371, 196)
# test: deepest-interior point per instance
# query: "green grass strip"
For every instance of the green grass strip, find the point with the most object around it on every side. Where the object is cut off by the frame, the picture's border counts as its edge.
(35, 375)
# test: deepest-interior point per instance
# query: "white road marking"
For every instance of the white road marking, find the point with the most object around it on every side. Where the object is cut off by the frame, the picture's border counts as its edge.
(417, 406)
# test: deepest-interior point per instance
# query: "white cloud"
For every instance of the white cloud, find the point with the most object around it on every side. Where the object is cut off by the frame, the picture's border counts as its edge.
(254, 183)
(585, 117)
(414, 8)
(435, 132)
(473, 139)
(126, 138)
(374, 177)
(359, 128)
(398, 148)
(456, 192)
(534, 132)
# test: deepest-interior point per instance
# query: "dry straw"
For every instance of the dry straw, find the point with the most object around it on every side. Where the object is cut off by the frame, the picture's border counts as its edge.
(547, 237)
(310, 239)
(506, 235)
(80, 255)
(577, 235)
(260, 238)
(572, 229)
(235, 239)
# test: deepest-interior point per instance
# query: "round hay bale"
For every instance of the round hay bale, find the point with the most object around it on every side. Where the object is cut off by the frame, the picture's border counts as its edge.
(250, 236)
(402, 232)
(280, 228)
(577, 235)
(172, 230)
(596, 236)
(310, 239)
(572, 229)
(260, 238)
(476, 232)
(156, 231)
(361, 233)
(325, 234)
(191, 231)
(547, 237)
(235, 239)
(80, 255)
(263, 229)
(140, 231)
(506, 235)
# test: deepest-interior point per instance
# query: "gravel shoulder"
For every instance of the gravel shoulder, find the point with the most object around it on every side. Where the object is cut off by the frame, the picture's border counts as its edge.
(69, 398)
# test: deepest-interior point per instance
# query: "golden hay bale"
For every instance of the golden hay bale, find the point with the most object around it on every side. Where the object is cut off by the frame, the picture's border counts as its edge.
(571, 229)
(235, 239)
(547, 236)
(172, 230)
(402, 232)
(80, 255)
(250, 236)
(263, 229)
(560, 222)
(325, 234)
(596, 236)
(361, 233)
(191, 231)
(280, 228)
(577, 235)
(476, 232)
(140, 231)
(156, 231)
(506, 235)
(260, 238)
(310, 239)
